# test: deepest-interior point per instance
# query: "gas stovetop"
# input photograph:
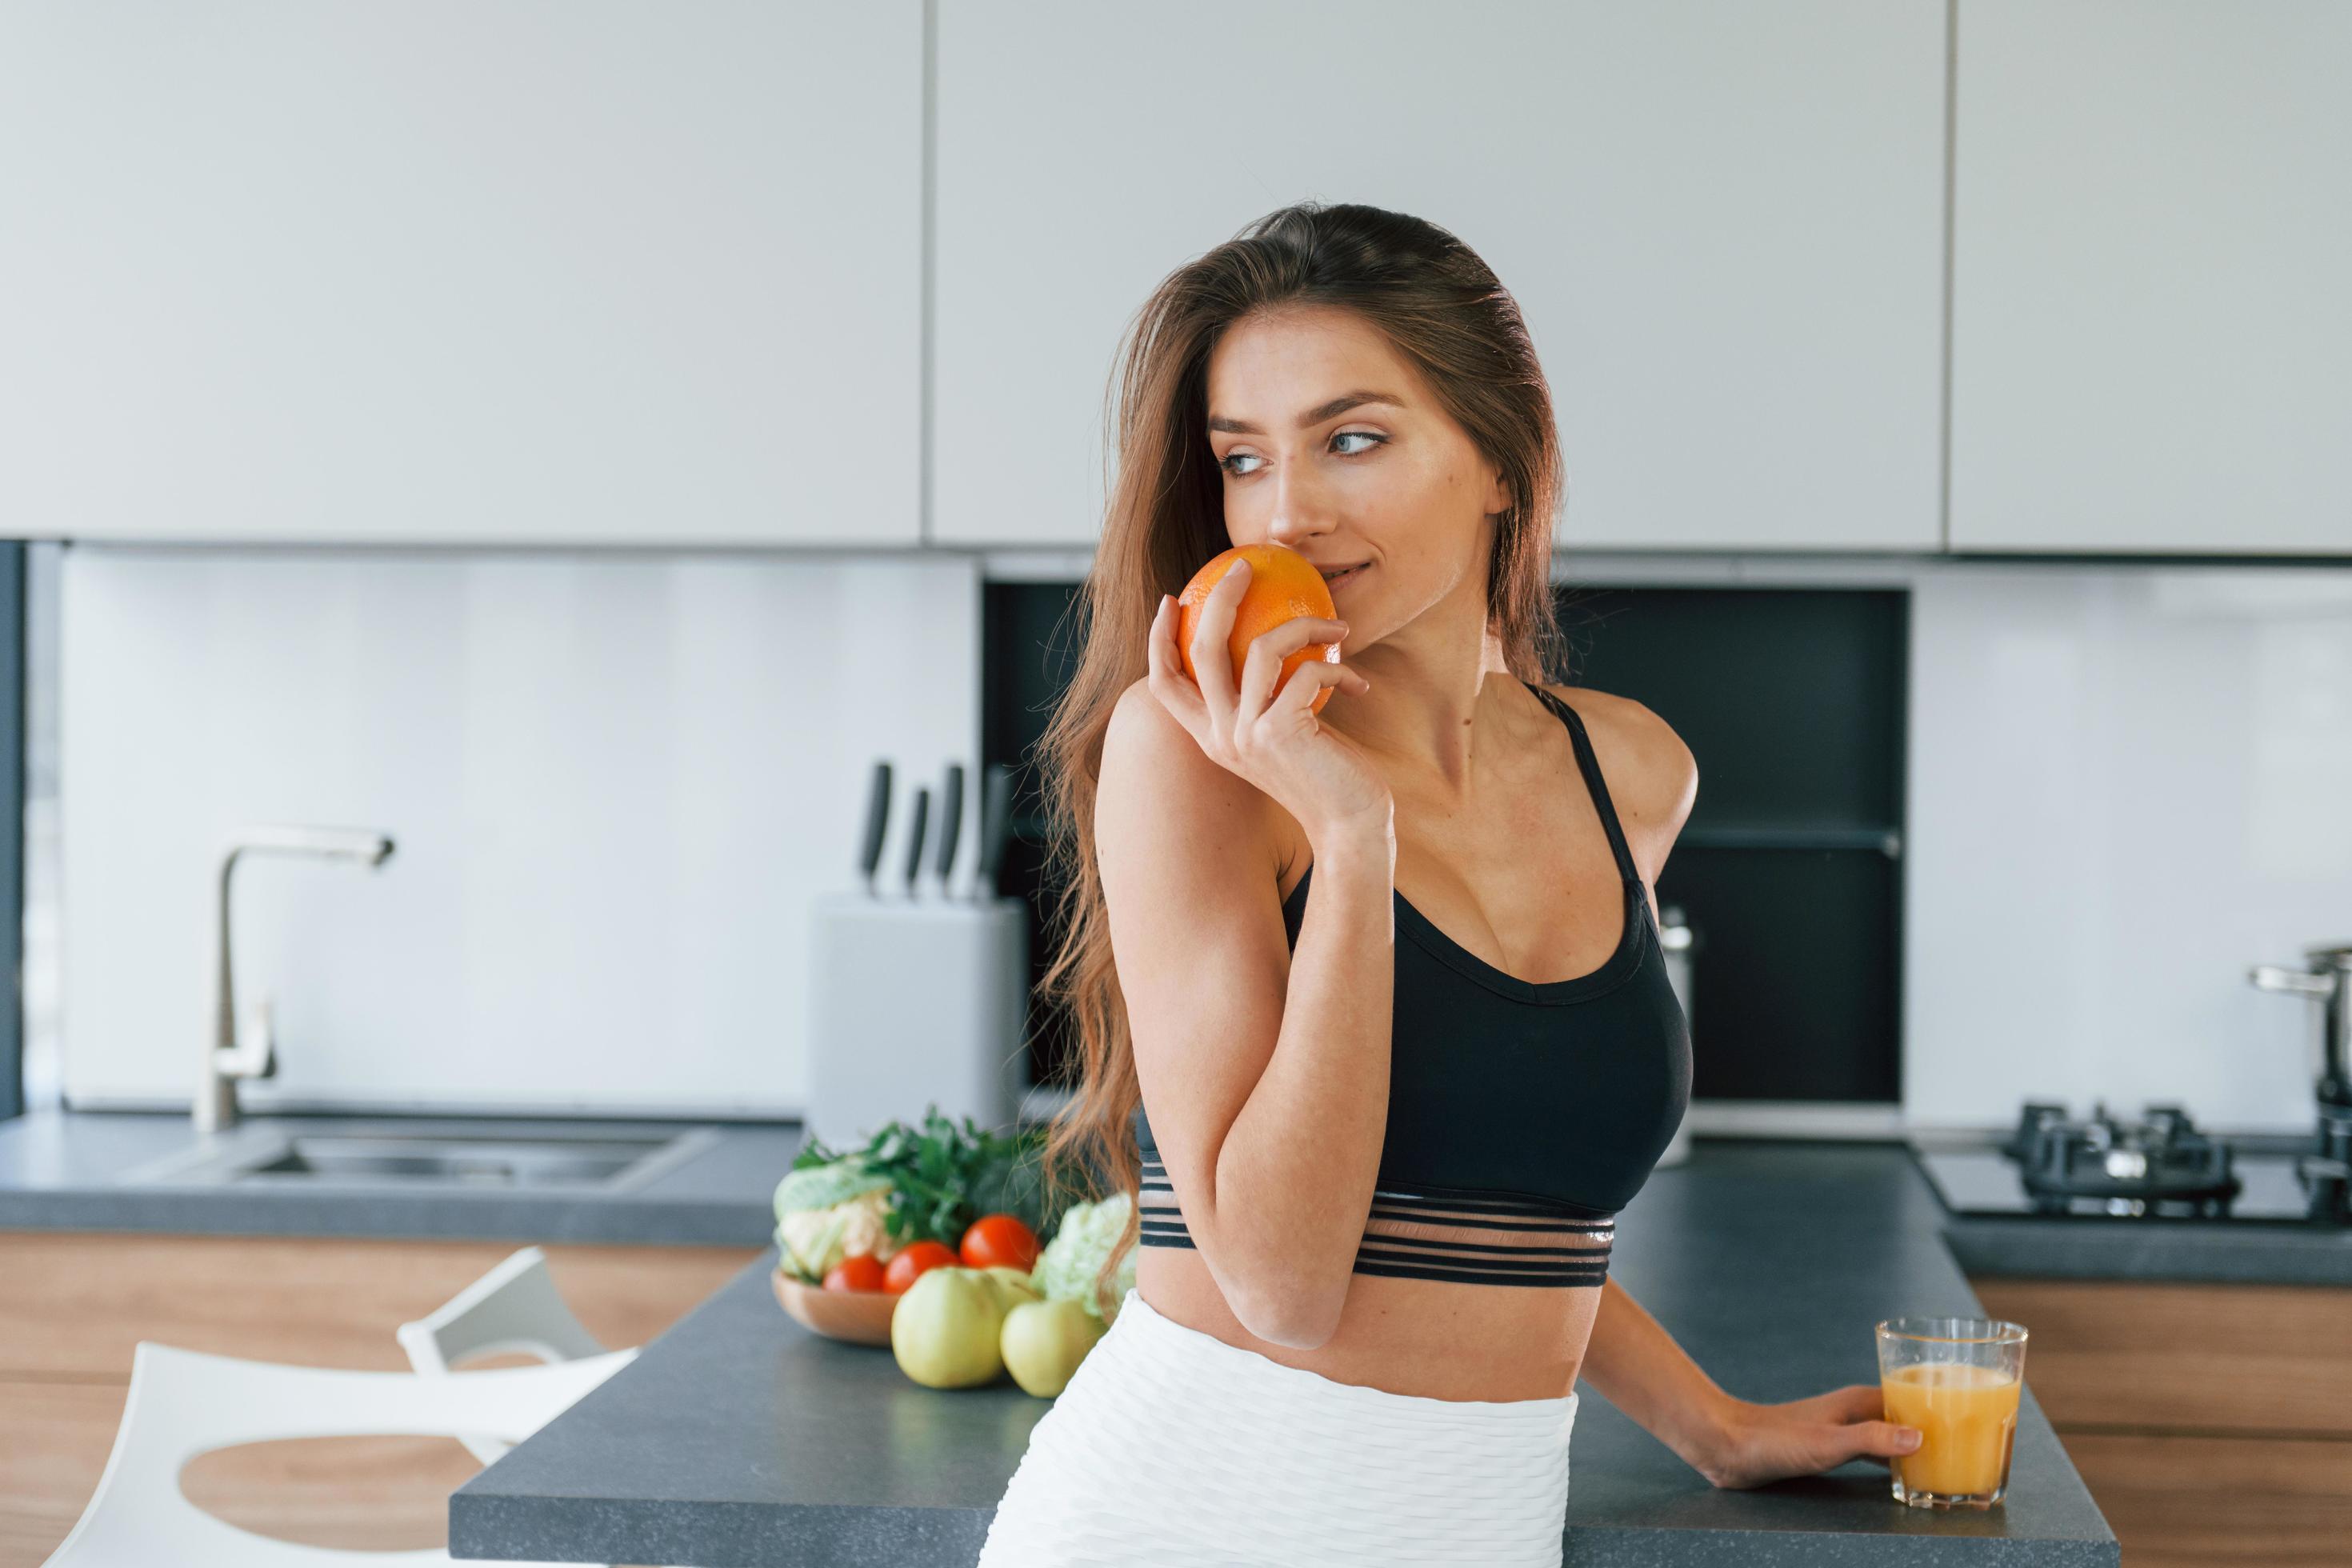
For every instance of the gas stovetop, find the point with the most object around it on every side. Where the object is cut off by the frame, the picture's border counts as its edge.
(2159, 1168)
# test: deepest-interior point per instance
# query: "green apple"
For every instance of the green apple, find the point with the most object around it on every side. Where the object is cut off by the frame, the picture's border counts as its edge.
(1015, 1283)
(946, 1328)
(1042, 1343)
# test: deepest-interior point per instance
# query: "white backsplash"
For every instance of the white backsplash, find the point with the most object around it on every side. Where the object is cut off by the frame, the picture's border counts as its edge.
(2129, 784)
(614, 782)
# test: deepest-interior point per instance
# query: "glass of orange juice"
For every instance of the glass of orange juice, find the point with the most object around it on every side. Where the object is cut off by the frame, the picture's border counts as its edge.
(1957, 1380)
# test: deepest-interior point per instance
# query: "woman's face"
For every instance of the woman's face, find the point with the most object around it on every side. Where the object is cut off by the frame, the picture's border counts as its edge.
(1331, 444)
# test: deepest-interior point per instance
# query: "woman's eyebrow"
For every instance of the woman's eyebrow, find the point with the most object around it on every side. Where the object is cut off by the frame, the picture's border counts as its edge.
(1313, 417)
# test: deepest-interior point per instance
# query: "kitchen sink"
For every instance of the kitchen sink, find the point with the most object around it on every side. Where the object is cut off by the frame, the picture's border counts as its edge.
(600, 1161)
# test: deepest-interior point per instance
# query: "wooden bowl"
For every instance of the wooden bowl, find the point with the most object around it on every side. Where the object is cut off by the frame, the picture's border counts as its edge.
(860, 1317)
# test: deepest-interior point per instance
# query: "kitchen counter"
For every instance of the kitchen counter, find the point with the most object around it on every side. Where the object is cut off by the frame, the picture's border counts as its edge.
(738, 1437)
(108, 1170)
(2176, 1252)
(2268, 1240)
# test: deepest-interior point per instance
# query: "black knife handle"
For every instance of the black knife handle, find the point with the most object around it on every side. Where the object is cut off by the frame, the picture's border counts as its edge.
(950, 822)
(877, 820)
(995, 825)
(914, 837)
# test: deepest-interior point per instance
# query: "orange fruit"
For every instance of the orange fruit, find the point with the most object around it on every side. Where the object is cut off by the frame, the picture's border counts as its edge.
(1282, 585)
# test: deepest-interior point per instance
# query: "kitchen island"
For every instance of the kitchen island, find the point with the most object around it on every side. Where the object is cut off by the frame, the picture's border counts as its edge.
(741, 1438)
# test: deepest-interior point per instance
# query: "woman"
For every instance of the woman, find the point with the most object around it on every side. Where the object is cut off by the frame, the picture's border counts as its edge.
(1376, 1138)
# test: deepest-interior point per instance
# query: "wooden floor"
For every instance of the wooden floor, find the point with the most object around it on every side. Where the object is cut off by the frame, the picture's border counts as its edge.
(2213, 1423)
(74, 1304)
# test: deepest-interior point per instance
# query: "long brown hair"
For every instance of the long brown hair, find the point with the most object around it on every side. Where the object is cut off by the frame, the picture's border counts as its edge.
(1441, 310)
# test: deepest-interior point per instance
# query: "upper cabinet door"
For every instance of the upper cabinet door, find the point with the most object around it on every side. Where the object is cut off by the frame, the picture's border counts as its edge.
(2152, 277)
(1723, 225)
(461, 271)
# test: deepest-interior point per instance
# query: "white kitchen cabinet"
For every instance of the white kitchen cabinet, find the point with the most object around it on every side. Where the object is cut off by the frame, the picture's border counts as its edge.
(2152, 316)
(1723, 224)
(461, 271)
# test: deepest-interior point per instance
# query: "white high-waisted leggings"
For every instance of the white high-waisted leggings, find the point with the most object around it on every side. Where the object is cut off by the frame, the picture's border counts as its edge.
(1171, 1446)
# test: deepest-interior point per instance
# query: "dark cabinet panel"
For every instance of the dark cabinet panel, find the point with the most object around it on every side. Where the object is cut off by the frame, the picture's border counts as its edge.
(1791, 698)
(1794, 972)
(1789, 869)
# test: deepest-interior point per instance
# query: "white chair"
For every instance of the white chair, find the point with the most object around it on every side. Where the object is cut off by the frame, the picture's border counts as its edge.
(186, 1402)
(513, 1309)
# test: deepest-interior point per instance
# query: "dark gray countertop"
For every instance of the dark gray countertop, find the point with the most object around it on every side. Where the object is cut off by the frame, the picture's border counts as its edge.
(740, 1439)
(2180, 1251)
(2269, 1240)
(83, 1171)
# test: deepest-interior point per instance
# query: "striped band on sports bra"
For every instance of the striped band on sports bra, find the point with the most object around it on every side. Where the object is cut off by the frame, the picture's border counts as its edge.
(1484, 1238)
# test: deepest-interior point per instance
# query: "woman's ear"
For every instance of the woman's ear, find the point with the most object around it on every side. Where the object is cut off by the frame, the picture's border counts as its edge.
(1498, 493)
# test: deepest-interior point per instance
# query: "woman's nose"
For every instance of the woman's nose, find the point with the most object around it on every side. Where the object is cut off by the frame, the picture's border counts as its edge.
(1301, 505)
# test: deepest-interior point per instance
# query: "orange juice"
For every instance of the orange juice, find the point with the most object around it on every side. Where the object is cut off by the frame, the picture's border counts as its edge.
(1967, 1417)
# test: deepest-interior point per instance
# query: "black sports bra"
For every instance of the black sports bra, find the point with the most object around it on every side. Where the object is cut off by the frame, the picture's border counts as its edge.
(1522, 1114)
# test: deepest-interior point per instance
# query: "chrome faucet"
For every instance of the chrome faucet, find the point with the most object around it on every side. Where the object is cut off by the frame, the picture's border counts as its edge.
(2326, 980)
(244, 1046)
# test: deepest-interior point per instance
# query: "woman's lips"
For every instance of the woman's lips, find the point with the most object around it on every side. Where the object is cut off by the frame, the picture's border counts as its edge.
(1349, 575)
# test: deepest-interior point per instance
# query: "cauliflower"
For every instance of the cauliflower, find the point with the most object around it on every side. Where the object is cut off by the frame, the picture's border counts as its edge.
(824, 1213)
(816, 1239)
(1066, 1268)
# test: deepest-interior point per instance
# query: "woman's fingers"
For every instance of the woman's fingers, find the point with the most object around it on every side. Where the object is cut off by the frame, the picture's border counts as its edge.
(1262, 665)
(1883, 1439)
(1166, 675)
(1806, 1436)
(1298, 692)
(1863, 1406)
(1857, 1402)
(1212, 665)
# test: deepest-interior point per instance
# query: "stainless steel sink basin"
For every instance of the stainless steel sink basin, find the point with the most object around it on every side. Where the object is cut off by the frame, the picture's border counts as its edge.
(410, 1160)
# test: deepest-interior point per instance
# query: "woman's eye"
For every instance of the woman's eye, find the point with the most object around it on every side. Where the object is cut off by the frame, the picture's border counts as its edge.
(1227, 463)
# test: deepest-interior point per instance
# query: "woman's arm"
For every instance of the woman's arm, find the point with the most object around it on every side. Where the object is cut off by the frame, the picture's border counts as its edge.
(1635, 1364)
(1638, 1368)
(1239, 1041)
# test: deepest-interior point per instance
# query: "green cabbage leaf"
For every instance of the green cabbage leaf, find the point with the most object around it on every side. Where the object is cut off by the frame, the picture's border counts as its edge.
(1066, 1268)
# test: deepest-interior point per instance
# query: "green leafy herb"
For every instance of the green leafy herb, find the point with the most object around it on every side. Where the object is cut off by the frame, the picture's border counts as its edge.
(944, 1177)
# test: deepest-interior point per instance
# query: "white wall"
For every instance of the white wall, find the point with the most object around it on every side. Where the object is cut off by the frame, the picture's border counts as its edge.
(614, 783)
(2127, 786)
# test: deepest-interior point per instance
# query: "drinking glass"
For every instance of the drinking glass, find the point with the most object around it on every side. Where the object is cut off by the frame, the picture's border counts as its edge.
(1958, 1381)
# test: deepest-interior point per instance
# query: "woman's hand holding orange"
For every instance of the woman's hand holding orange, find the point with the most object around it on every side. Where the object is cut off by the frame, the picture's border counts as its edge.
(1272, 739)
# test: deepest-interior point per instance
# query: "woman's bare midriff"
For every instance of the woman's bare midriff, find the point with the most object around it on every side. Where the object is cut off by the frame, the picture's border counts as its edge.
(1438, 1338)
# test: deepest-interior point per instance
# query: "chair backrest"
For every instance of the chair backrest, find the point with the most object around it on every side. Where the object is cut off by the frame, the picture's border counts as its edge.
(513, 1308)
(186, 1402)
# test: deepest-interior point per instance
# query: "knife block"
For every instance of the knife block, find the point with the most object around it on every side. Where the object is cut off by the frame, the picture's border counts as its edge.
(912, 1002)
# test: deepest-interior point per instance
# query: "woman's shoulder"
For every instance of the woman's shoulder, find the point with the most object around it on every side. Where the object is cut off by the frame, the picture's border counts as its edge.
(1152, 758)
(1630, 726)
(1653, 776)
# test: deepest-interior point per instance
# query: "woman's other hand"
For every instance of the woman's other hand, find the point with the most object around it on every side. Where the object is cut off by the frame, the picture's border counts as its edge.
(1272, 739)
(1766, 1443)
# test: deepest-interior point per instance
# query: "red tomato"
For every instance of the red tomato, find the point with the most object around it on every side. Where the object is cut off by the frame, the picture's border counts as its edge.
(995, 1238)
(915, 1259)
(862, 1272)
